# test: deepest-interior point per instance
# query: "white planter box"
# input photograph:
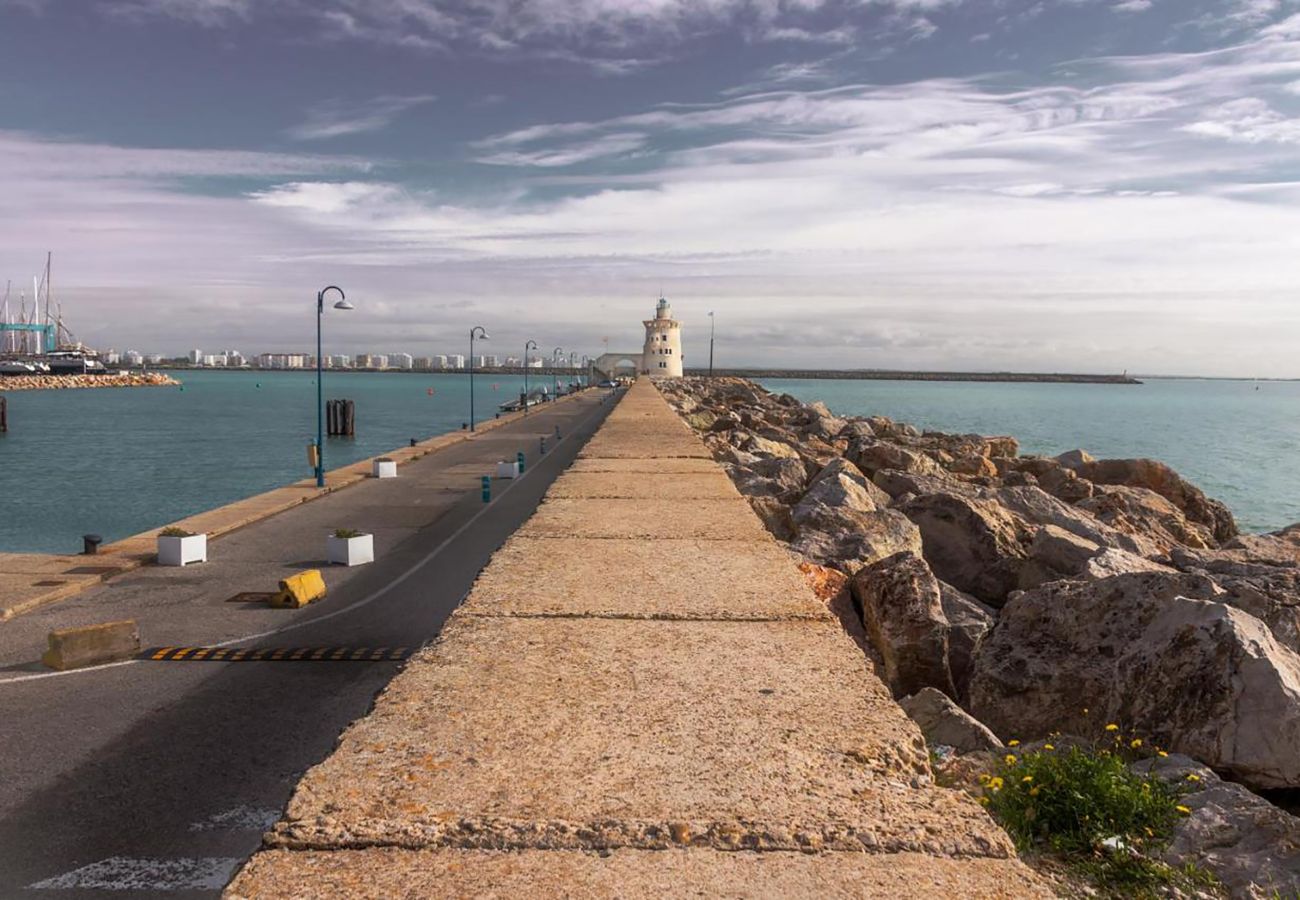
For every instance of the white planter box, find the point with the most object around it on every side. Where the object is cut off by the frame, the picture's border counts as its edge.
(177, 551)
(385, 468)
(507, 470)
(352, 551)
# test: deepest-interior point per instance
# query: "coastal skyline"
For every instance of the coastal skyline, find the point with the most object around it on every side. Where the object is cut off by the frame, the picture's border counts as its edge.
(1082, 185)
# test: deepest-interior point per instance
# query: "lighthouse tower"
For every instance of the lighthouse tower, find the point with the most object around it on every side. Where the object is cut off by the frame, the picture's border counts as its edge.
(662, 356)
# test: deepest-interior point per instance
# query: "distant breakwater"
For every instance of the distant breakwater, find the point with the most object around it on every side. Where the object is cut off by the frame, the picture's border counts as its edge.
(887, 375)
(64, 382)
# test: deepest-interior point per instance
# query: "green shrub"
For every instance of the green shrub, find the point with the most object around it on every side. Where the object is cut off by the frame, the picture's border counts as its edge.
(173, 531)
(1080, 801)
(347, 533)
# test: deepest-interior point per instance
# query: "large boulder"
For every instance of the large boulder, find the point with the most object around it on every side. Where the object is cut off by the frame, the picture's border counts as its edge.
(840, 483)
(847, 539)
(1163, 480)
(1147, 517)
(968, 622)
(1281, 548)
(1250, 845)
(902, 612)
(1194, 675)
(896, 483)
(974, 545)
(767, 447)
(777, 477)
(1110, 562)
(775, 516)
(871, 456)
(1038, 507)
(945, 724)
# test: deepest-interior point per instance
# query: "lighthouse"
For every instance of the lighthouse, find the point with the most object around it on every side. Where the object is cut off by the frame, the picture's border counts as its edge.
(662, 355)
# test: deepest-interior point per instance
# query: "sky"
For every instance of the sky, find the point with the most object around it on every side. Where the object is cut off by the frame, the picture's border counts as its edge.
(991, 185)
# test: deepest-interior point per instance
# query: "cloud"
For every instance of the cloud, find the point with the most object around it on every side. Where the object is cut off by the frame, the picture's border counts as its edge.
(337, 118)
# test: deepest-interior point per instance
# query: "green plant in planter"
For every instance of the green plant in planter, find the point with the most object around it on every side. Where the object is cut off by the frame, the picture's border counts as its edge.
(345, 533)
(173, 531)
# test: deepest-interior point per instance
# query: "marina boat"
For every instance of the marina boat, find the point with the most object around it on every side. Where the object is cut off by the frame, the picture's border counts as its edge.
(16, 367)
(534, 398)
(79, 361)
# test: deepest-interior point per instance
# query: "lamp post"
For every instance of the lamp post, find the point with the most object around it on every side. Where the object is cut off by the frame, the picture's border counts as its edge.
(531, 345)
(320, 387)
(710, 343)
(555, 378)
(480, 332)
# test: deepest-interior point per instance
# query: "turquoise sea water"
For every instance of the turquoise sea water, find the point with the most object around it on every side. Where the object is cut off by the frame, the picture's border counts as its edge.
(1238, 444)
(117, 461)
(120, 460)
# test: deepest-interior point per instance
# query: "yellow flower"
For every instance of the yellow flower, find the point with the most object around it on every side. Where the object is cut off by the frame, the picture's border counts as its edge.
(1161, 753)
(1027, 779)
(984, 801)
(1112, 727)
(995, 783)
(1013, 743)
(1184, 810)
(1009, 759)
(984, 778)
(1135, 743)
(1048, 747)
(1146, 786)
(1149, 832)
(1033, 791)
(1193, 777)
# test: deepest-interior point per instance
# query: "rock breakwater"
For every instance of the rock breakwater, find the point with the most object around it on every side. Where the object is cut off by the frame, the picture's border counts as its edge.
(64, 382)
(1041, 594)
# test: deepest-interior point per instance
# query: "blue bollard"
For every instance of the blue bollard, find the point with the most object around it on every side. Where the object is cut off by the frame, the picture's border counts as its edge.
(519, 458)
(542, 450)
(557, 432)
(487, 488)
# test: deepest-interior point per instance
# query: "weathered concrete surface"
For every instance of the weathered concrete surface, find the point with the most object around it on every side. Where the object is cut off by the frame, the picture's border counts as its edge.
(663, 466)
(389, 873)
(675, 579)
(632, 675)
(713, 485)
(647, 519)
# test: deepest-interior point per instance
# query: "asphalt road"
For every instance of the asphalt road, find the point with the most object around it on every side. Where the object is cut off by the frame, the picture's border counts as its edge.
(135, 779)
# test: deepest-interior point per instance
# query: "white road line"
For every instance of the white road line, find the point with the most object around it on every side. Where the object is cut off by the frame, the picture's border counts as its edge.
(124, 873)
(364, 601)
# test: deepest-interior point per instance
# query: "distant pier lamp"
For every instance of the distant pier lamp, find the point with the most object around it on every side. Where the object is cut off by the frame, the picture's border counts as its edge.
(710, 343)
(320, 387)
(555, 378)
(478, 331)
(531, 345)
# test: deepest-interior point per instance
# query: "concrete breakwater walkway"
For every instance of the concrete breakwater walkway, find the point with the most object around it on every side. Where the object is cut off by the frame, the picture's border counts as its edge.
(641, 696)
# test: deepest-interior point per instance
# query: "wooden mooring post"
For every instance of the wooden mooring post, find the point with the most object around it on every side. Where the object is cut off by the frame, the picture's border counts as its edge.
(340, 418)
(4, 415)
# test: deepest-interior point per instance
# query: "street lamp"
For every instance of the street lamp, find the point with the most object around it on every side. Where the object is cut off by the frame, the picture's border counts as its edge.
(531, 345)
(555, 378)
(480, 332)
(320, 387)
(710, 343)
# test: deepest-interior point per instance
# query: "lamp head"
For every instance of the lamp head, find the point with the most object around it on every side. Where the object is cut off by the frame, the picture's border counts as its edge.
(344, 304)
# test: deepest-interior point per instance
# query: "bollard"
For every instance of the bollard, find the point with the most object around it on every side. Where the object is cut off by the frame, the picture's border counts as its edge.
(542, 448)
(487, 488)
(412, 442)
(519, 458)
(90, 544)
(4, 414)
(557, 432)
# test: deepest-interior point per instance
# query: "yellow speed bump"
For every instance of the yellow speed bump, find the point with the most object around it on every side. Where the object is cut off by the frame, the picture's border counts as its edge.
(298, 590)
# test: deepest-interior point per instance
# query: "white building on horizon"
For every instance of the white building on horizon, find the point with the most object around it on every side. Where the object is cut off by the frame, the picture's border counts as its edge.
(196, 357)
(401, 360)
(457, 361)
